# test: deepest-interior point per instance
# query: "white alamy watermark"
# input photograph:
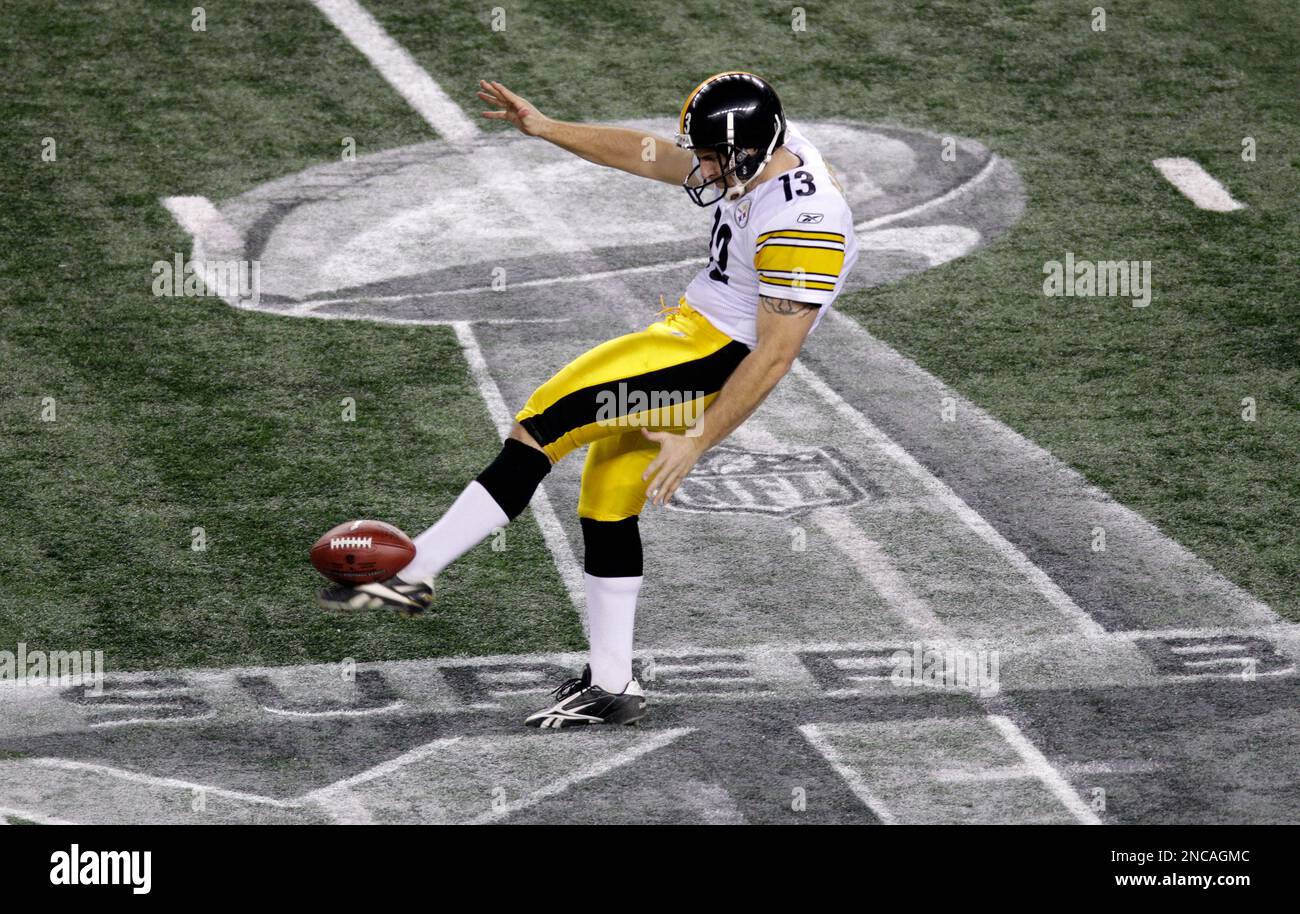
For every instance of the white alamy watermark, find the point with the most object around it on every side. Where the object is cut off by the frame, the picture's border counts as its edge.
(236, 281)
(1101, 278)
(78, 867)
(661, 408)
(60, 669)
(938, 666)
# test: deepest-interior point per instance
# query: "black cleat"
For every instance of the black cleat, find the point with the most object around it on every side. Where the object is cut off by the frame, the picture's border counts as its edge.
(581, 703)
(394, 594)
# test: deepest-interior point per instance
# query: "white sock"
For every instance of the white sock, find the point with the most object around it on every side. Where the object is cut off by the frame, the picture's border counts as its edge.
(473, 515)
(611, 613)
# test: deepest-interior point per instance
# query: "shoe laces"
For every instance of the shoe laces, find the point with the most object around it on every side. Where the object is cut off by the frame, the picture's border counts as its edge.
(569, 687)
(403, 587)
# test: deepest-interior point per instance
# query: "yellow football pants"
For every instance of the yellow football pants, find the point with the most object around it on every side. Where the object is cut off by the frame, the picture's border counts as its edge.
(660, 378)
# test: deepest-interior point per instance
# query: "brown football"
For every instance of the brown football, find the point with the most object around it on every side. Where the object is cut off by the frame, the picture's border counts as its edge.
(362, 551)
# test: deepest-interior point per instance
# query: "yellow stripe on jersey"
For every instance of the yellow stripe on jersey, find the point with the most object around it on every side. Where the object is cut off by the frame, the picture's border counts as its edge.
(797, 283)
(801, 235)
(787, 258)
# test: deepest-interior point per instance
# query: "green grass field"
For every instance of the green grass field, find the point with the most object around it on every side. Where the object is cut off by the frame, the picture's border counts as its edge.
(175, 414)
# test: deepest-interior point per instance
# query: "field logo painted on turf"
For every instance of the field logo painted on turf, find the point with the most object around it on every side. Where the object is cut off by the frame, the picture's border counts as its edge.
(938, 667)
(238, 281)
(1087, 279)
(53, 668)
(388, 209)
(784, 484)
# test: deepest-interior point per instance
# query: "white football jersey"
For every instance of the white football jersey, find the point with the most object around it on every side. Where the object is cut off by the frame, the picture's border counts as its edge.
(790, 237)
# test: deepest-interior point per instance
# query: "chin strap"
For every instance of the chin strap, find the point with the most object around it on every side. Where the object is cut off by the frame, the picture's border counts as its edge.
(735, 192)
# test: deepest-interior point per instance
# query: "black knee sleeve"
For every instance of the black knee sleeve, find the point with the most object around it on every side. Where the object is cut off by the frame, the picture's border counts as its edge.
(613, 547)
(514, 476)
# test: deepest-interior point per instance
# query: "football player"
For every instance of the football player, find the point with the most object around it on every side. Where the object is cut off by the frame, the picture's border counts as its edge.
(780, 247)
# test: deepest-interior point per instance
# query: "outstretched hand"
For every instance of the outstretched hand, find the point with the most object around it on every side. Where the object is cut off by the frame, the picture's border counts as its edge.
(511, 108)
(677, 455)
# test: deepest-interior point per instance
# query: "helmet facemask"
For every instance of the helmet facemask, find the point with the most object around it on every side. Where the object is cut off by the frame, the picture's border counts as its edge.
(745, 164)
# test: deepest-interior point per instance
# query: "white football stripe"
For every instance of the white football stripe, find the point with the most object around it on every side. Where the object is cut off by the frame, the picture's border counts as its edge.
(819, 739)
(396, 65)
(1050, 590)
(552, 532)
(876, 567)
(1044, 770)
(1197, 185)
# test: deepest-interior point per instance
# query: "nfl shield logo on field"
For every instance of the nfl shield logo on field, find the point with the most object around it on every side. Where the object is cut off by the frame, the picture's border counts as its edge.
(731, 479)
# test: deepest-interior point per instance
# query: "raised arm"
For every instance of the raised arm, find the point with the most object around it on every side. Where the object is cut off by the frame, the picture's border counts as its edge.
(634, 151)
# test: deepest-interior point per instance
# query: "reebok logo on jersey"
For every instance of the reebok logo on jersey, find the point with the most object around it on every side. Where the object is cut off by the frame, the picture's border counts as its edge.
(809, 218)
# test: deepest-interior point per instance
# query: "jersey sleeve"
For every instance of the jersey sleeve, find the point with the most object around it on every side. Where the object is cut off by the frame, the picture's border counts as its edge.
(801, 262)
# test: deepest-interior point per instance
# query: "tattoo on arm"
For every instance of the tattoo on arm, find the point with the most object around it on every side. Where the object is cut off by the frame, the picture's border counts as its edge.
(785, 306)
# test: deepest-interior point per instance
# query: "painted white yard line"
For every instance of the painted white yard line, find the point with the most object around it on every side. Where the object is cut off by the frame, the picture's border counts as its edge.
(1040, 579)
(876, 567)
(515, 194)
(1044, 770)
(653, 741)
(818, 738)
(135, 777)
(1197, 185)
(868, 558)
(197, 215)
(951, 500)
(904, 371)
(399, 68)
(556, 539)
